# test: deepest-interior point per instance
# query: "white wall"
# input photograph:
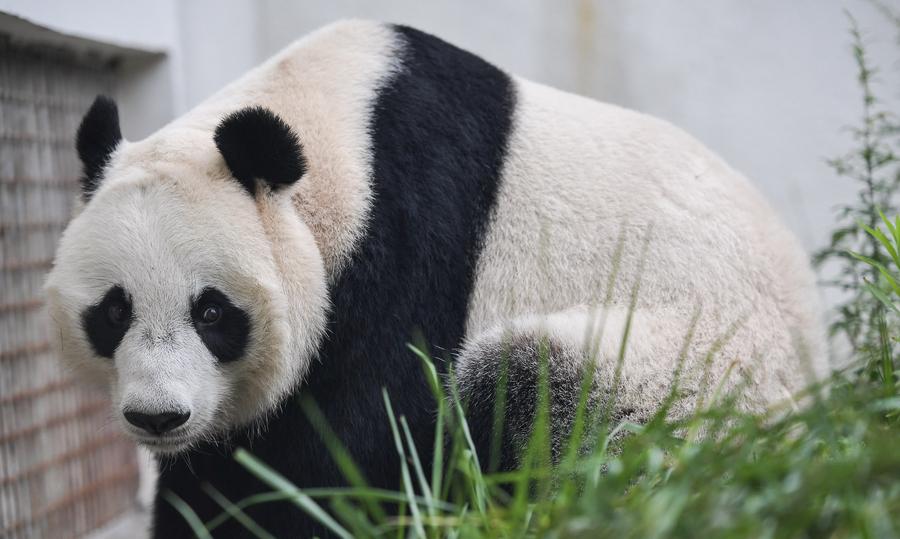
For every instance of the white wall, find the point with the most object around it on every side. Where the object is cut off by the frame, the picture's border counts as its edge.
(767, 84)
(219, 41)
(151, 89)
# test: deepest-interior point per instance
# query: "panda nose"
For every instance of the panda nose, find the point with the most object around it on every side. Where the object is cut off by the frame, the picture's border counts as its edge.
(157, 423)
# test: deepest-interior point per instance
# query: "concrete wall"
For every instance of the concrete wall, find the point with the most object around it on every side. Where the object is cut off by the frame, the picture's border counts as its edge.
(767, 84)
(151, 90)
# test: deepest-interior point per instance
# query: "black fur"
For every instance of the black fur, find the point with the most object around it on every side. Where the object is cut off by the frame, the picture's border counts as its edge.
(439, 133)
(515, 365)
(104, 333)
(257, 144)
(227, 337)
(98, 135)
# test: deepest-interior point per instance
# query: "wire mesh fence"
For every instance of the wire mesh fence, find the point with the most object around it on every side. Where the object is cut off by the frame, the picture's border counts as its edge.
(64, 470)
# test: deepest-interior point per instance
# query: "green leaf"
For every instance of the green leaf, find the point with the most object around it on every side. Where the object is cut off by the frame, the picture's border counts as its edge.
(338, 452)
(863, 258)
(883, 240)
(881, 296)
(891, 280)
(887, 222)
(896, 230)
(886, 405)
(887, 363)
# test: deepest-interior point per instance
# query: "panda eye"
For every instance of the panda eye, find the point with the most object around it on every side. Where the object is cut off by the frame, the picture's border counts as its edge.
(117, 313)
(107, 322)
(222, 326)
(211, 313)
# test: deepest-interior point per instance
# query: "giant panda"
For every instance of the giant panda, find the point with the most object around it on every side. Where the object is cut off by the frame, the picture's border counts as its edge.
(372, 185)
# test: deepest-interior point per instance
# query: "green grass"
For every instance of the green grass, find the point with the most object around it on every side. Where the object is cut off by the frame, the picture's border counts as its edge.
(830, 469)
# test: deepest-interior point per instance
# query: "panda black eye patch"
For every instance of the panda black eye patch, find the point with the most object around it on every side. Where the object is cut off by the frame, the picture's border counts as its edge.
(222, 326)
(107, 322)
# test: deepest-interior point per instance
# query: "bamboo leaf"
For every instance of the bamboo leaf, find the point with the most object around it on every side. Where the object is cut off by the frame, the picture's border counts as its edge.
(883, 240)
(882, 297)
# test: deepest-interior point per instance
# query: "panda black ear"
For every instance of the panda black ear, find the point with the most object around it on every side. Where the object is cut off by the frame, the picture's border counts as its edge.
(97, 138)
(257, 144)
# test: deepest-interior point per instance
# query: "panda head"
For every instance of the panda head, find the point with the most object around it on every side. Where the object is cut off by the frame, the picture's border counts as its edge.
(186, 284)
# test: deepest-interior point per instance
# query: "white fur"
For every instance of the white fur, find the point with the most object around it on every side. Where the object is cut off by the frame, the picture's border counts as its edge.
(580, 175)
(168, 220)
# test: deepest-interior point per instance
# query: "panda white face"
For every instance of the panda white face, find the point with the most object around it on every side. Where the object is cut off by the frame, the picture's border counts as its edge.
(195, 304)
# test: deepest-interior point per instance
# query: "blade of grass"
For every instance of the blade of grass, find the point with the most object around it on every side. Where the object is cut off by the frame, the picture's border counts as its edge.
(882, 297)
(573, 445)
(714, 349)
(882, 239)
(660, 415)
(626, 332)
(896, 230)
(187, 513)
(886, 273)
(278, 482)
(401, 528)
(887, 357)
(597, 337)
(327, 493)
(404, 466)
(236, 512)
(593, 340)
(894, 236)
(339, 453)
(354, 517)
(431, 375)
(478, 485)
(531, 484)
(417, 466)
(499, 412)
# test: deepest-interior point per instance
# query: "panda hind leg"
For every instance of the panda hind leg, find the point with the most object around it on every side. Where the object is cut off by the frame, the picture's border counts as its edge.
(579, 350)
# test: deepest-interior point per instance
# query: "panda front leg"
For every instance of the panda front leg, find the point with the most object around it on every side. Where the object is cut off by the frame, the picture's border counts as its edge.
(576, 344)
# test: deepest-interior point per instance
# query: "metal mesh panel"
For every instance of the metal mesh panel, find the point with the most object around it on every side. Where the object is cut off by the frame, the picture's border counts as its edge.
(63, 469)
